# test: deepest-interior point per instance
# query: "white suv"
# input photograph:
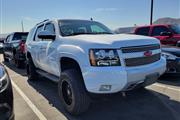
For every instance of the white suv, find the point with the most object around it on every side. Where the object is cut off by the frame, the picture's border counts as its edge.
(86, 57)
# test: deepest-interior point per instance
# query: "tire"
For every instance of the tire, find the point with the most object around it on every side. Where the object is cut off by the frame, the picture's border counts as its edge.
(31, 70)
(18, 63)
(79, 101)
(5, 59)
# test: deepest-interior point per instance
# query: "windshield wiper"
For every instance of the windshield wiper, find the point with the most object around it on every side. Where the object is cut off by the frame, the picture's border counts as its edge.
(83, 33)
(102, 33)
(79, 33)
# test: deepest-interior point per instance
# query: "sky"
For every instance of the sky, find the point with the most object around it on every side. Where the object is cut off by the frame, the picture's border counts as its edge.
(113, 13)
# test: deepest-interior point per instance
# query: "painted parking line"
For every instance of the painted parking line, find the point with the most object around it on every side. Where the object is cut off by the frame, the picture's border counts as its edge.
(28, 101)
(167, 87)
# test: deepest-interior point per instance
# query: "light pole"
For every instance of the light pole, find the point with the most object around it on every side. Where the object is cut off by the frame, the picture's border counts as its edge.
(151, 18)
(22, 25)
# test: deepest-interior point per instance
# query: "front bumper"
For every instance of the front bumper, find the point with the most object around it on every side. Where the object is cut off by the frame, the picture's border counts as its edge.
(173, 66)
(121, 78)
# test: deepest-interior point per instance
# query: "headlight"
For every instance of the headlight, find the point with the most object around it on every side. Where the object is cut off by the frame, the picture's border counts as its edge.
(168, 56)
(4, 80)
(104, 57)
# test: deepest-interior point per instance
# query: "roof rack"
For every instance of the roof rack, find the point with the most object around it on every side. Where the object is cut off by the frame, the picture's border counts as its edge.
(42, 21)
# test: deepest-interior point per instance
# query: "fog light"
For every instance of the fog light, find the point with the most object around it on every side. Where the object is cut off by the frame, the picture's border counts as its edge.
(105, 88)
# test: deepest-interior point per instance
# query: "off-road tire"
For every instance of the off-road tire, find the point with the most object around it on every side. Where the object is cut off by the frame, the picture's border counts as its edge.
(80, 100)
(31, 70)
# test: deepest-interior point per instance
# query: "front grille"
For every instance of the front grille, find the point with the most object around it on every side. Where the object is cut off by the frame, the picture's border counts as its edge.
(140, 48)
(142, 60)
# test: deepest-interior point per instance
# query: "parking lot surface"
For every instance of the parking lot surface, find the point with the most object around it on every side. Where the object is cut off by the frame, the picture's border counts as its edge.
(38, 100)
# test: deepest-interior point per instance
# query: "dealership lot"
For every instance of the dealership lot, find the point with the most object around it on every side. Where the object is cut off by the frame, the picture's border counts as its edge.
(39, 100)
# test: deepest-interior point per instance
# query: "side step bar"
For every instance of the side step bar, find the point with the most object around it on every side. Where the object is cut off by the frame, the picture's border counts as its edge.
(48, 75)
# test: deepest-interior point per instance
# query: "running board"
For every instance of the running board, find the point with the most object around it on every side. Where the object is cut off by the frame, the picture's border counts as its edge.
(48, 75)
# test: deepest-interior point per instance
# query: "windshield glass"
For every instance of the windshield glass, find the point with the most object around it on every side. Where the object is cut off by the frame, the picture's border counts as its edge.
(175, 28)
(20, 36)
(77, 27)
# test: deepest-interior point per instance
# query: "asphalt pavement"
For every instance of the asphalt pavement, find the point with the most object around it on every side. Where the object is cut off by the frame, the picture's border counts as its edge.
(38, 100)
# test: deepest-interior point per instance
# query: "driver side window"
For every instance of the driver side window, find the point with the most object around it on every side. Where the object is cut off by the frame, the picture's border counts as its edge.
(39, 29)
(158, 30)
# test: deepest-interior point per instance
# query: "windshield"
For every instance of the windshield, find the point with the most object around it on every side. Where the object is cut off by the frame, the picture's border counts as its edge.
(20, 36)
(77, 27)
(175, 28)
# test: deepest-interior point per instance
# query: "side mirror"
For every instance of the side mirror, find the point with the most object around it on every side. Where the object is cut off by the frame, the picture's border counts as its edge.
(46, 35)
(166, 34)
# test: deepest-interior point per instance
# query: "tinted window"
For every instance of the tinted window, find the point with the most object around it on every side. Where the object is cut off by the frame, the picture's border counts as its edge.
(175, 28)
(157, 30)
(39, 29)
(50, 27)
(20, 36)
(76, 27)
(95, 28)
(143, 31)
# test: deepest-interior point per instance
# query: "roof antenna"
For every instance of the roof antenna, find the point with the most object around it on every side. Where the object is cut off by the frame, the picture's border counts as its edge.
(91, 19)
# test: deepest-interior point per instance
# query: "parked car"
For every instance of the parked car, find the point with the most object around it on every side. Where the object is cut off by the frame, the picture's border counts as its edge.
(172, 55)
(14, 48)
(6, 96)
(1, 47)
(86, 57)
(167, 34)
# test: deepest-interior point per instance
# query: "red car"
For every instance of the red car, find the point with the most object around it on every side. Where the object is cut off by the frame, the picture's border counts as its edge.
(167, 34)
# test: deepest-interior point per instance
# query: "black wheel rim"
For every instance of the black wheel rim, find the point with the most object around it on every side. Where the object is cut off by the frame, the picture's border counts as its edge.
(67, 93)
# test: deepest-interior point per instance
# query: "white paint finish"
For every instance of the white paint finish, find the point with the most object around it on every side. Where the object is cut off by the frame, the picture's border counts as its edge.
(77, 47)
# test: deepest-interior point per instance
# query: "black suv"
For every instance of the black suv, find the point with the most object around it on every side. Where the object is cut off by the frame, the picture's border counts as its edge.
(6, 96)
(14, 48)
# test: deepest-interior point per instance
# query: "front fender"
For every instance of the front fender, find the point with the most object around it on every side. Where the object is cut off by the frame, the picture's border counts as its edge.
(74, 52)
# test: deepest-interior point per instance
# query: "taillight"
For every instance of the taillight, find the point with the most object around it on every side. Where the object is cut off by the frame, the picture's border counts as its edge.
(22, 46)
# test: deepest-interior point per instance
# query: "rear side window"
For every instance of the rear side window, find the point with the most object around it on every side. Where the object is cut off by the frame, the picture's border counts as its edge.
(50, 27)
(158, 29)
(143, 31)
(20, 36)
(39, 29)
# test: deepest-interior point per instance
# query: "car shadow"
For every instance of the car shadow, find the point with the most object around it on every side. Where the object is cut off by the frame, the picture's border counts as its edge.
(11, 66)
(137, 105)
(170, 80)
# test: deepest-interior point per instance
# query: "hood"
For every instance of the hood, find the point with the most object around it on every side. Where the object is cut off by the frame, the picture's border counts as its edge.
(171, 49)
(114, 40)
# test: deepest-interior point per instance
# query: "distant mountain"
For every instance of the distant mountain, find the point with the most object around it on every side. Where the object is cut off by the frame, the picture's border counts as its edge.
(167, 20)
